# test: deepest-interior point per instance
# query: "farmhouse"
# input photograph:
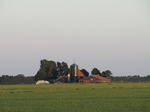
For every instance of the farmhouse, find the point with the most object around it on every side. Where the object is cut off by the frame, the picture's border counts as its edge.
(76, 75)
(94, 79)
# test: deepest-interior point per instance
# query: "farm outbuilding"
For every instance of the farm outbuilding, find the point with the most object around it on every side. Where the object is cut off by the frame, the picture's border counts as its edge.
(42, 82)
(94, 79)
(61, 79)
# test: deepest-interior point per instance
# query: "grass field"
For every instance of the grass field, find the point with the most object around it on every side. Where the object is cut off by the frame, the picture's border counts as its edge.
(118, 97)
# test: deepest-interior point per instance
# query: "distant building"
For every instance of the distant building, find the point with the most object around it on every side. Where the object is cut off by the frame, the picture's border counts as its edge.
(94, 79)
(80, 74)
(76, 75)
(62, 79)
(68, 78)
(42, 82)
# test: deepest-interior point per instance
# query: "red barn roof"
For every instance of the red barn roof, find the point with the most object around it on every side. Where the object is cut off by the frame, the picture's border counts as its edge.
(94, 78)
(99, 77)
(80, 73)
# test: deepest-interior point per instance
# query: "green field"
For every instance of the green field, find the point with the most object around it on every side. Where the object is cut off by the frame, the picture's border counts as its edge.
(102, 97)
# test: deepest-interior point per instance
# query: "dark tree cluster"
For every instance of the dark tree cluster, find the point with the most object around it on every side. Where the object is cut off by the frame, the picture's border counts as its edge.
(135, 78)
(19, 79)
(95, 71)
(86, 73)
(51, 70)
(106, 73)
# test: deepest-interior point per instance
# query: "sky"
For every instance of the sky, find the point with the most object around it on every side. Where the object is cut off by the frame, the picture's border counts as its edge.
(105, 34)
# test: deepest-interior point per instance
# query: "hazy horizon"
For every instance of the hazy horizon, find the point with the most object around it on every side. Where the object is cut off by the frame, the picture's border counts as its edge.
(109, 35)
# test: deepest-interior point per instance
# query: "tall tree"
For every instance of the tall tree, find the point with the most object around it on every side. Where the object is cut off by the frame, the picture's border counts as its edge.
(84, 71)
(59, 68)
(107, 73)
(95, 71)
(65, 68)
(47, 71)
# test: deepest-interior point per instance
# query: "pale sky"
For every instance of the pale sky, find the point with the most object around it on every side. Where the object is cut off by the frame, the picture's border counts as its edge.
(106, 34)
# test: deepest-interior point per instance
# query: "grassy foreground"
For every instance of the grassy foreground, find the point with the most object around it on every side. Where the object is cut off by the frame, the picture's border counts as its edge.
(118, 97)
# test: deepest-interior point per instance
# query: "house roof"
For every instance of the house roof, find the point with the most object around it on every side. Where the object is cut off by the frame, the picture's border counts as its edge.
(80, 73)
(97, 77)
(62, 79)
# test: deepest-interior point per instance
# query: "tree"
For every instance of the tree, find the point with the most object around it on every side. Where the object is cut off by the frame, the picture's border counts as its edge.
(47, 71)
(5, 79)
(95, 71)
(85, 72)
(107, 73)
(40, 75)
(18, 79)
(59, 68)
(65, 68)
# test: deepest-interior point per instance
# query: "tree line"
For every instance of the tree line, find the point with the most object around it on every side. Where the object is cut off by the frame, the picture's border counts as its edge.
(21, 79)
(18, 79)
(51, 70)
(135, 78)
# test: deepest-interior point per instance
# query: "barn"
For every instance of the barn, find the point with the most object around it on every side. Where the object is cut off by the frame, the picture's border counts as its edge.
(94, 79)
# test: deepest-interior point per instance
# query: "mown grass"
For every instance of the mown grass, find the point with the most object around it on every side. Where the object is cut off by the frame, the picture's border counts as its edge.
(118, 97)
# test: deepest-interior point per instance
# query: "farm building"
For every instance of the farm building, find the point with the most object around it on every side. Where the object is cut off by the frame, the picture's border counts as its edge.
(75, 73)
(42, 82)
(61, 79)
(65, 79)
(94, 79)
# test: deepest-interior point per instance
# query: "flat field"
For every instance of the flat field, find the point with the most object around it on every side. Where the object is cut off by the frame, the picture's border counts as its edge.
(102, 97)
